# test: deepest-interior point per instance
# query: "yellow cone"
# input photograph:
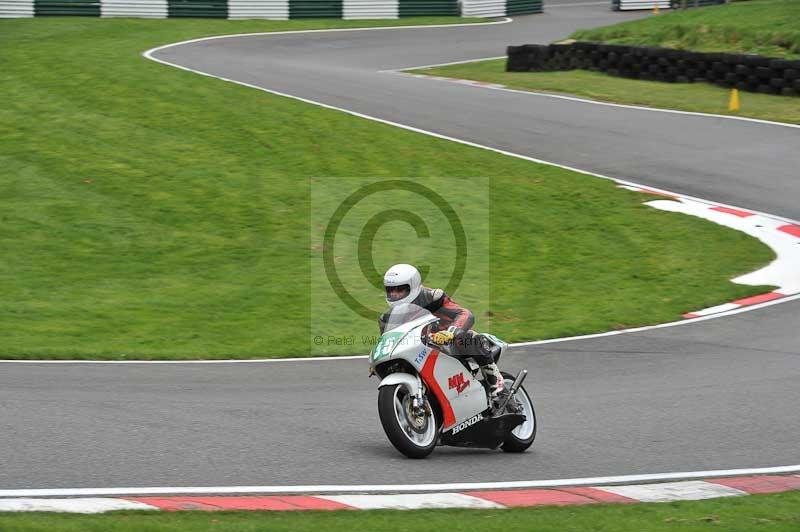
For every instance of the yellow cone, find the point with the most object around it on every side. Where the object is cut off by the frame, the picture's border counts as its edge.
(733, 104)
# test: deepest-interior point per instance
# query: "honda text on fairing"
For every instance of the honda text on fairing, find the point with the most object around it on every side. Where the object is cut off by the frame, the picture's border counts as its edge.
(427, 396)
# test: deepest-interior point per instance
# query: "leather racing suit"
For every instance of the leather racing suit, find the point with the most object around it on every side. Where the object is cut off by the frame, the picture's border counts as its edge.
(468, 343)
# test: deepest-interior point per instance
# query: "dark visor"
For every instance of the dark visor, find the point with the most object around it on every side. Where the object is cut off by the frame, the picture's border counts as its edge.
(394, 293)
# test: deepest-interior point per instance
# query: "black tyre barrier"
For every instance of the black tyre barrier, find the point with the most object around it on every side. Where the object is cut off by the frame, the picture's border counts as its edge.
(751, 73)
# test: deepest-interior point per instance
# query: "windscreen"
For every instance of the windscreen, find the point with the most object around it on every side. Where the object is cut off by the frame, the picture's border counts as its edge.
(401, 314)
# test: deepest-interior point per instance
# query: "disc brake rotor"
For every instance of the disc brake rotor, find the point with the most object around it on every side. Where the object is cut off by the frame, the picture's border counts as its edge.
(417, 422)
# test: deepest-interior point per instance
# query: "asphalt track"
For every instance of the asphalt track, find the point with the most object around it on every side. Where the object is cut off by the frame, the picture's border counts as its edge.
(717, 394)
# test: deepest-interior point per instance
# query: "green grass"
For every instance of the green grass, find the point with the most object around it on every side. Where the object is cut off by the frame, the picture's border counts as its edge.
(148, 212)
(778, 513)
(763, 27)
(697, 97)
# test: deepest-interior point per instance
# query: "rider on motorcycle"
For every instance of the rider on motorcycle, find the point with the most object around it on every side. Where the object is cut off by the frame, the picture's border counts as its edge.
(403, 285)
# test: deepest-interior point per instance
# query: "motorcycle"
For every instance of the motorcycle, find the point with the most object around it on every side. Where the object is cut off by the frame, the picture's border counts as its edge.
(429, 397)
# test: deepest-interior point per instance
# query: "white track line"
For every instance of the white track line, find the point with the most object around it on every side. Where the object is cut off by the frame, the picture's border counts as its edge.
(146, 54)
(363, 357)
(149, 55)
(661, 325)
(219, 361)
(497, 87)
(399, 488)
(401, 70)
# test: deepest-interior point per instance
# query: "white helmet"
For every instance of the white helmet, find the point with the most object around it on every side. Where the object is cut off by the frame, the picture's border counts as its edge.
(404, 277)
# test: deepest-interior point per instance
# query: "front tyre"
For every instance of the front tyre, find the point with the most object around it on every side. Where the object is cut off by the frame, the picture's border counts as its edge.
(411, 431)
(519, 439)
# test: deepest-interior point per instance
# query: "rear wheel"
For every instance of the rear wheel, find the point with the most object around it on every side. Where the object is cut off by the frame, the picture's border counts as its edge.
(413, 431)
(519, 439)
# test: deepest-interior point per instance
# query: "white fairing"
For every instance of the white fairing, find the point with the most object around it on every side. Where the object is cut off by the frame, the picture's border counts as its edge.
(410, 381)
(466, 394)
(460, 394)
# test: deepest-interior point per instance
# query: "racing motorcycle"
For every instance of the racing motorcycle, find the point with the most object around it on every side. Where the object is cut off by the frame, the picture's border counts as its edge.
(427, 396)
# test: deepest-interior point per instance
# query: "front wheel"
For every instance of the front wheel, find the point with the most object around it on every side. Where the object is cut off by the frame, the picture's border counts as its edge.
(519, 439)
(412, 431)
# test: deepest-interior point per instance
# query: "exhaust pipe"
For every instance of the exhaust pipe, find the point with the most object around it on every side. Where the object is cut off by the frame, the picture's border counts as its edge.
(514, 387)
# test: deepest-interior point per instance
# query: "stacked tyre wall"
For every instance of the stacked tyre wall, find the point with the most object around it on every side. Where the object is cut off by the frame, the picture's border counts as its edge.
(746, 72)
(268, 9)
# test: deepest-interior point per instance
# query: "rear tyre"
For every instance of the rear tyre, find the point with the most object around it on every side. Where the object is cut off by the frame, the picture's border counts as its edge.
(413, 435)
(519, 439)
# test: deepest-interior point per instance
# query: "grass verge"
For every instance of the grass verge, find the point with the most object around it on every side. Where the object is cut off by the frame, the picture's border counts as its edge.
(763, 27)
(777, 512)
(696, 97)
(148, 212)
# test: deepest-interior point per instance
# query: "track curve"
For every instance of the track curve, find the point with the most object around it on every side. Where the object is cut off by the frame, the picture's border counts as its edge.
(718, 394)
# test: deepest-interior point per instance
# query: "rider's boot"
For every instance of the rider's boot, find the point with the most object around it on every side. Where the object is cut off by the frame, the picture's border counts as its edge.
(495, 381)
